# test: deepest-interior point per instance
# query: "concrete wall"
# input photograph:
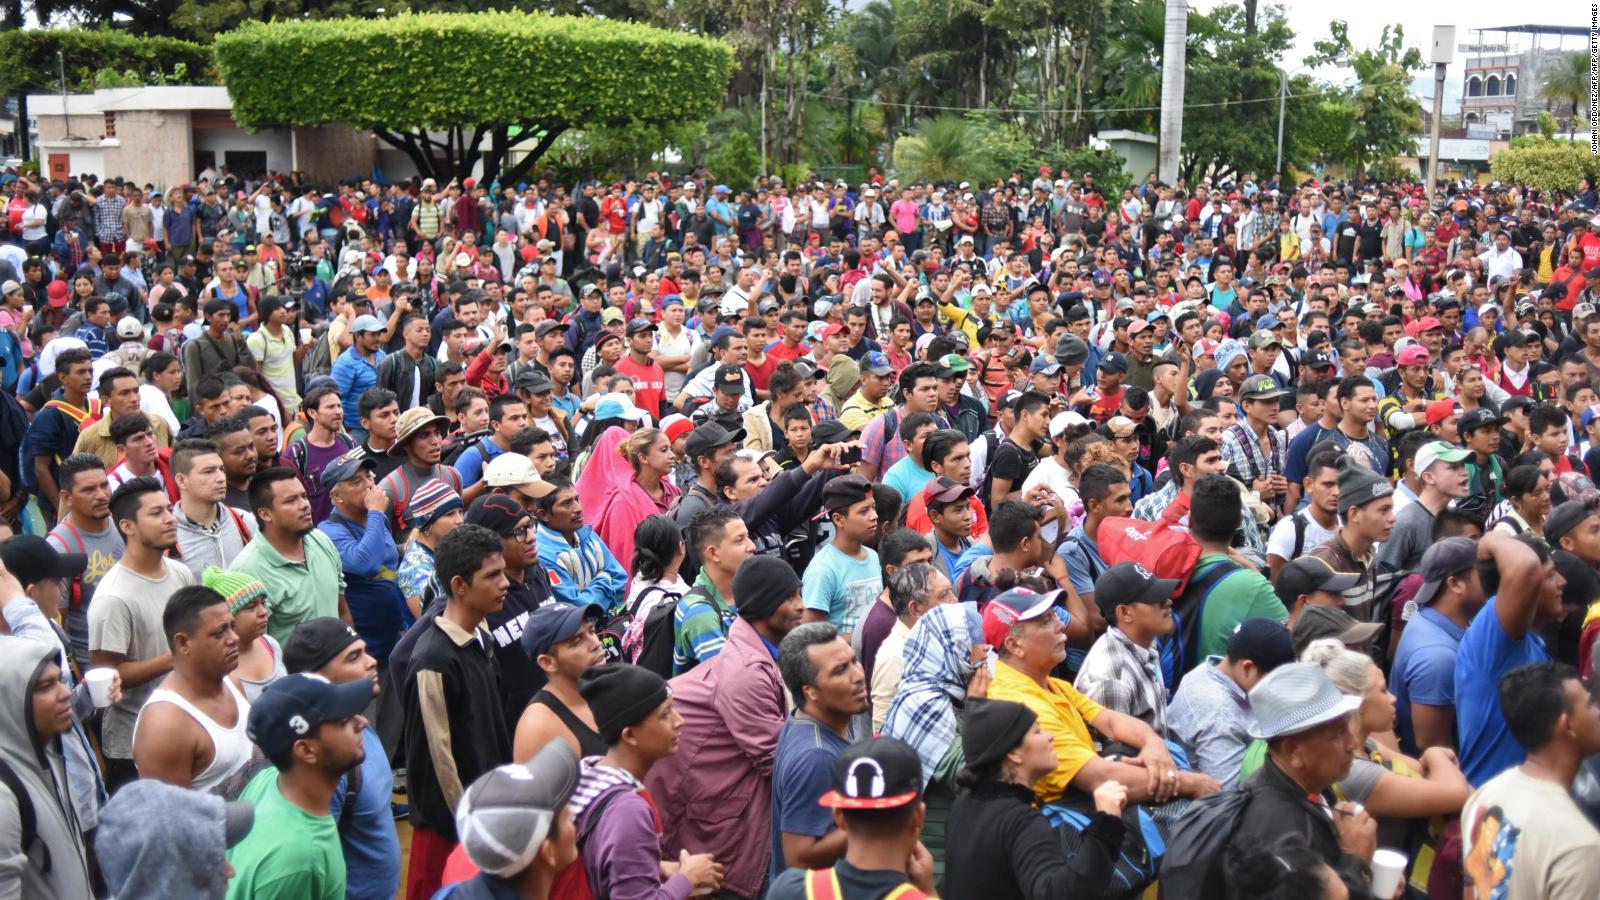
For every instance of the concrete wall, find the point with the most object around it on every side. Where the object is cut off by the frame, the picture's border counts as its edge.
(329, 153)
(156, 147)
(274, 143)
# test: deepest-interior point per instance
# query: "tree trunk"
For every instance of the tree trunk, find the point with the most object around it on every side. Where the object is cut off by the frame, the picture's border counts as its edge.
(522, 168)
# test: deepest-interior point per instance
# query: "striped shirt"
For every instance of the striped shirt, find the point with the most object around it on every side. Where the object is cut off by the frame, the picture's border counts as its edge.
(699, 629)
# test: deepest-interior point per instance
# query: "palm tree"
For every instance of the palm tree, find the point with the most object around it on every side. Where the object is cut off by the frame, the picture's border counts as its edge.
(1566, 81)
(942, 149)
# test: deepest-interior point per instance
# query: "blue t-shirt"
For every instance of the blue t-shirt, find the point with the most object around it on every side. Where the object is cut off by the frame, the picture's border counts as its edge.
(371, 848)
(470, 464)
(1299, 455)
(907, 477)
(802, 771)
(1487, 653)
(1424, 669)
(842, 586)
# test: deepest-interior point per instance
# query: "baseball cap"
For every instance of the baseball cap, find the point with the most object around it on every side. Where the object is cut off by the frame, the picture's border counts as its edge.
(1205, 347)
(729, 379)
(610, 314)
(1308, 574)
(1415, 355)
(1474, 419)
(1045, 365)
(832, 329)
(1263, 338)
(498, 513)
(32, 559)
(1436, 452)
(637, 325)
(1121, 426)
(367, 325)
(831, 431)
(57, 294)
(129, 327)
(510, 811)
(533, 381)
(1011, 607)
(1259, 387)
(1064, 420)
(618, 406)
(292, 707)
(1318, 621)
(1445, 559)
(1114, 362)
(553, 623)
(1262, 641)
(1564, 518)
(1131, 582)
(347, 467)
(1439, 410)
(708, 437)
(315, 642)
(1316, 359)
(875, 773)
(516, 470)
(676, 426)
(944, 491)
(1426, 323)
(875, 362)
(954, 364)
(547, 326)
(1136, 326)
(844, 492)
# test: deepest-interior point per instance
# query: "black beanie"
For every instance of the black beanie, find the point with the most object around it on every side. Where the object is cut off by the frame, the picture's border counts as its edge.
(761, 585)
(992, 729)
(621, 695)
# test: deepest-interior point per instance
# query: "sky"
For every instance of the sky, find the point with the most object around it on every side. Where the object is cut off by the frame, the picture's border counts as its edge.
(1367, 18)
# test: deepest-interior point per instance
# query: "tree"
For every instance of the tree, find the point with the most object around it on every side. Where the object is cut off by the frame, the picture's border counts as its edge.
(448, 89)
(1566, 81)
(1547, 165)
(35, 60)
(1387, 117)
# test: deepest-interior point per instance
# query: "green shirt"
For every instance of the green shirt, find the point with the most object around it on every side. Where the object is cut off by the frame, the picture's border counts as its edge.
(1236, 597)
(296, 591)
(699, 628)
(289, 853)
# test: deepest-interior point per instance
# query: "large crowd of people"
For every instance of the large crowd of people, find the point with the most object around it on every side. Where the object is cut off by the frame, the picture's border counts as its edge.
(663, 538)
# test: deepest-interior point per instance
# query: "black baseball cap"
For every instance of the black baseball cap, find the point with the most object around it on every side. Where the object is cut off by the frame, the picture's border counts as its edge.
(1308, 574)
(1318, 621)
(1446, 559)
(1131, 582)
(32, 559)
(637, 325)
(875, 773)
(1563, 519)
(292, 707)
(831, 431)
(533, 381)
(844, 492)
(1114, 362)
(1481, 417)
(1262, 641)
(547, 326)
(729, 379)
(347, 466)
(315, 642)
(707, 437)
(1316, 359)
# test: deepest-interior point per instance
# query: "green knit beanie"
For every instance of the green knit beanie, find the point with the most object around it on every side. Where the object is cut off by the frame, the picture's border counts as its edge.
(239, 589)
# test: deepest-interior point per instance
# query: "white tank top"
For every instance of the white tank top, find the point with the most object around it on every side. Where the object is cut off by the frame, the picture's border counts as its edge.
(231, 748)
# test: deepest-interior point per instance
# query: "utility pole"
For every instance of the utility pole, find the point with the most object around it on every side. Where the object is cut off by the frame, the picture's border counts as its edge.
(1283, 97)
(1173, 51)
(1442, 52)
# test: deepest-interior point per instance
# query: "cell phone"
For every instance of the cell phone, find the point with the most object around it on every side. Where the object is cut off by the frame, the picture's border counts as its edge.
(850, 457)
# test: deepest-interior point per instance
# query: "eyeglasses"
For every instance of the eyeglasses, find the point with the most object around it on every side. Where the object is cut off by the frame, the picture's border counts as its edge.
(522, 531)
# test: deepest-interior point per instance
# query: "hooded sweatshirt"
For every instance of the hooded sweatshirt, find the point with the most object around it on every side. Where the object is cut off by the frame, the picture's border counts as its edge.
(159, 842)
(41, 769)
(843, 376)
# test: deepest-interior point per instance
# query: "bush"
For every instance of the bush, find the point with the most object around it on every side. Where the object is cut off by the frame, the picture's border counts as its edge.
(28, 59)
(1545, 165)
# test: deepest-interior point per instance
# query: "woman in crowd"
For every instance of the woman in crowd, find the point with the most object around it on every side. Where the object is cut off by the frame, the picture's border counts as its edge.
(945, 667)
(435, 510)
(1010, 850)
(260, 656)
(658, 554)
(627, 479)
(1472, 389)
(1527, 490)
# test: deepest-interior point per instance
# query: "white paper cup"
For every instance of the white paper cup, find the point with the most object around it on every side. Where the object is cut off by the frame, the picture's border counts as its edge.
(1388, 868)
(99, 682)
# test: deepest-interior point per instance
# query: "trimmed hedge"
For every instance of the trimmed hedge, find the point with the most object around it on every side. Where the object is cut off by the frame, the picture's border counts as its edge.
(441, 70)
(1548, 165)
(28, 58)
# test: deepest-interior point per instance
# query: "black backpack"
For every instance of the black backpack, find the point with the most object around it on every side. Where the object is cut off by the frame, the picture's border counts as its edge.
(26, 817)
(1196, 844)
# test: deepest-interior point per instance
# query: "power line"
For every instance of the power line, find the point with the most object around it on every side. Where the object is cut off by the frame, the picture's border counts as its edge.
(1119, 109)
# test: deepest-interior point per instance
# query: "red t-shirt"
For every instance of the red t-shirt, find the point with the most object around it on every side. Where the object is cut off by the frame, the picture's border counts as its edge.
(1590, 245)
(761, 373)
(649, 384)
(781, 352)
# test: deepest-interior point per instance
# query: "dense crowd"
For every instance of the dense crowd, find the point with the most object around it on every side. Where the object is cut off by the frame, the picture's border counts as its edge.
(658, 539)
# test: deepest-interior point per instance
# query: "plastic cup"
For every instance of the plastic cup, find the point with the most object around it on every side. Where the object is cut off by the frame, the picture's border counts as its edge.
(99, 681)
(1388, 868)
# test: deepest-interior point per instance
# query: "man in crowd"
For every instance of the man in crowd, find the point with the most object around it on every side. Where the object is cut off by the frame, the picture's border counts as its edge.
(297, 562)
(85, 528)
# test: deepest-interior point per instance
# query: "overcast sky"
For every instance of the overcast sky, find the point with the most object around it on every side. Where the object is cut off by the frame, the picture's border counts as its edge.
(1367, 18)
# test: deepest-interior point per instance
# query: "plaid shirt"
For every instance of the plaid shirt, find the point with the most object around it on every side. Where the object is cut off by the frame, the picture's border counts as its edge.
(1241, 449)
(1121, 675)
(108, 219)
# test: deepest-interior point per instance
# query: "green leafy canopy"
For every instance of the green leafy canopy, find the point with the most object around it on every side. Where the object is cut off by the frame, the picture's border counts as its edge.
(444, 70)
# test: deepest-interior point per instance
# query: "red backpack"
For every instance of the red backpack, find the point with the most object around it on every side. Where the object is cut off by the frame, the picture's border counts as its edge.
(1163, 546)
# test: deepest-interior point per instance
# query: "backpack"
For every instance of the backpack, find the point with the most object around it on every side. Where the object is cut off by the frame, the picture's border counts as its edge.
(572, 883)
(1301, 524)
(665, 632)
(1138, 859)
(1178, 650)
(75, 583)
(318, 360)
(1167, 551)
(647, 642)
(26, 816)
(450, 453)
(1197, 842)
(823, 884)
(352, 790)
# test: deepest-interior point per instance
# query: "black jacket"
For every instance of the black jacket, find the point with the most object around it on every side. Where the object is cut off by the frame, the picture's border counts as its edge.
(1011, 853)
(398, 369)
(1279, 807)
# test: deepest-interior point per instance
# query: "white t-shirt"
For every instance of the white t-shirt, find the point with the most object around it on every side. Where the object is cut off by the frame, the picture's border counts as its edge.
(122, 473)
(1053, 475)
(682, 345)
(1280, 542)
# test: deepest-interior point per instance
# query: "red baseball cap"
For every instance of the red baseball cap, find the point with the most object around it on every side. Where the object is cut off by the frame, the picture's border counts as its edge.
(833, 329)
(1414, 355)
(1011, 607)
(1439, 410)
(57, 293)
(1426, 323)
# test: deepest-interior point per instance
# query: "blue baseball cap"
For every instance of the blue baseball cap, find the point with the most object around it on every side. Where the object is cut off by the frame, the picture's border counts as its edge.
(877, 363)
(618, 406)
(292, 707)
(347, 467)
(1045, 365)
(671, 300)
(553, 623)
(1114, 362)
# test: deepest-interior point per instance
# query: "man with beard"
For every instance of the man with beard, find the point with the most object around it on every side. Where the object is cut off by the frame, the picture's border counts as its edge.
(297, 563)
(733, 709)
(125, 622)
(238, 451)
(191, 732)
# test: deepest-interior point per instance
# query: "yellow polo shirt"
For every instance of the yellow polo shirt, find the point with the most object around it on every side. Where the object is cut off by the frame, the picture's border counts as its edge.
(1063, 712)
